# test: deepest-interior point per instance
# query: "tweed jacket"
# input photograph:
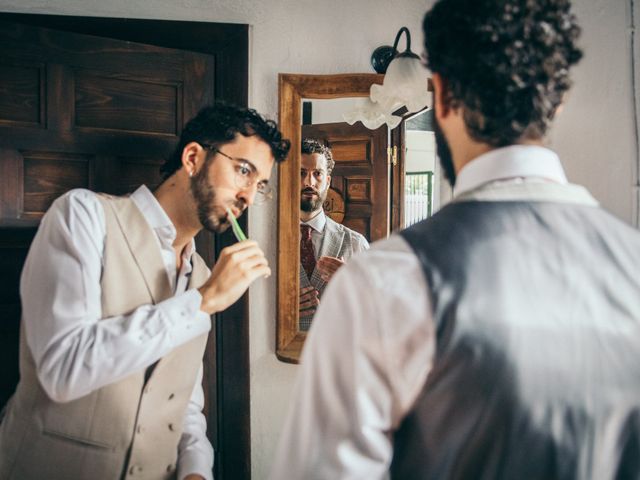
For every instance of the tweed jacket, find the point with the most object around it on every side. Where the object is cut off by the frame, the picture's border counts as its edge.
(337, 241)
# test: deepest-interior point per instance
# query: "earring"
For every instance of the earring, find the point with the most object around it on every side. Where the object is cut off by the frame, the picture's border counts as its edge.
(190, 174)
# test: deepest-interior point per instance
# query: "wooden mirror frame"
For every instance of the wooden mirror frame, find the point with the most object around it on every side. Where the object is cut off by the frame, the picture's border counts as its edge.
(292, 88)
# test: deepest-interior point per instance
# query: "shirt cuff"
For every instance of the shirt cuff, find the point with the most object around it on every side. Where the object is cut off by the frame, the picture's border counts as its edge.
(194, 463)
(184, 314)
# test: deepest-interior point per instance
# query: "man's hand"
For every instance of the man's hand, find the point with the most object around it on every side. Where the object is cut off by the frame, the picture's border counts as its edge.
(328, 266)
(309, 300)
(237, 267)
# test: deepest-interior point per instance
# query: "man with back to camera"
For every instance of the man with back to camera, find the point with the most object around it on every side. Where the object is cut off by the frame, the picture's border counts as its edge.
(321, 238)
(499, 339)
(116, 308)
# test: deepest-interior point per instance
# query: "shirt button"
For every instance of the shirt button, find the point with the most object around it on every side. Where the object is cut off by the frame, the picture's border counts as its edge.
(169, 468)
(140, 429)
(171, 427)
(146, 390)
(135, 469)
(171, 396)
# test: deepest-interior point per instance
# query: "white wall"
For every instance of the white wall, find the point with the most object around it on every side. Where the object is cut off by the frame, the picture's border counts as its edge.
(635, 25)
(594, 135)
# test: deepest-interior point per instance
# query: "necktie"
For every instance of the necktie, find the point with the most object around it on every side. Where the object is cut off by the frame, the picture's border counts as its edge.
(307, 257)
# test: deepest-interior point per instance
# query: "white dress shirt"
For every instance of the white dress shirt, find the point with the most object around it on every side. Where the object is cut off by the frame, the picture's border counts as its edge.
(75, 350)
(372, 343)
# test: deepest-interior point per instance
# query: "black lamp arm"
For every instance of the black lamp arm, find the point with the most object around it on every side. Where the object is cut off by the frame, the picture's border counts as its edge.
(382, 56)
(395, 44)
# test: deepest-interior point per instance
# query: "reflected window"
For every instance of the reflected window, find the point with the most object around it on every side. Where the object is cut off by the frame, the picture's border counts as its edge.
(419, 169)
(418, 197)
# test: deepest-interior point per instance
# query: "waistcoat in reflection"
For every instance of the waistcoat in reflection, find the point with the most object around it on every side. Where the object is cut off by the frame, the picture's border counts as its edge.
(130, 428)
(537, 367)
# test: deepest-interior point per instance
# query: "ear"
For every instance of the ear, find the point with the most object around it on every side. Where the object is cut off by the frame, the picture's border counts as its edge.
(191, 158)
(440, 88)
(328, 181)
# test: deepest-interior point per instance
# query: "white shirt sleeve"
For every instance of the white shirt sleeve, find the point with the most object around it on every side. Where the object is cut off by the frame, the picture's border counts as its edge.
(366, 359)
(74, 349)
(361, 246)
(195, 454)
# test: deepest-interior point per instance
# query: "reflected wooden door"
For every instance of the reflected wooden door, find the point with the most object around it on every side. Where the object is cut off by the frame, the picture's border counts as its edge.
(361, 174)
(80, 111)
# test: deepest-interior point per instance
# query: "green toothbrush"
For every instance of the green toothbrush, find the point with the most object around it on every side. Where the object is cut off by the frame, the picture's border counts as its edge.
(237, 231)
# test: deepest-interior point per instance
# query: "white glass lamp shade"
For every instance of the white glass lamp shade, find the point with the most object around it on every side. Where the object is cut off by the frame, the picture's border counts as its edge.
(372, 116)
(405, 84)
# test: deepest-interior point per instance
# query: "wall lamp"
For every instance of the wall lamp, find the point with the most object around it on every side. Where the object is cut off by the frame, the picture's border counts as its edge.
(405, 85)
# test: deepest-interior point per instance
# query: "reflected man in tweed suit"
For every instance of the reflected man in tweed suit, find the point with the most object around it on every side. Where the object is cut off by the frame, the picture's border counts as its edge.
(331, 243)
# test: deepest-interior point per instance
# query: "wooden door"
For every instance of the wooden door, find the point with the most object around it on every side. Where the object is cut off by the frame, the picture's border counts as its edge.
(360, 176)
(80, 111)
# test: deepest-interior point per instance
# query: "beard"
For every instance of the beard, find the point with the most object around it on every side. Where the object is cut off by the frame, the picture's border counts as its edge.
(444, 154)
(212, 217)
(315, 203)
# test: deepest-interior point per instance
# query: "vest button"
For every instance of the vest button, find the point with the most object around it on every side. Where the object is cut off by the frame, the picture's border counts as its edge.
(135, 469)
(171, 396)
(171, 427)
(140, 429)
(169, 468)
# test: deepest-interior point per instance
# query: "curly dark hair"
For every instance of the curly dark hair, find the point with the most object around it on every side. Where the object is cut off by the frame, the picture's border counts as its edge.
(311, 145)
(218, 124)
(506, 62)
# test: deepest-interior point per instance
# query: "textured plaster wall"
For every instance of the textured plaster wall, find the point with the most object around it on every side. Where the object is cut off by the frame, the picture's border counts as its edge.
(634, 32)
(595, 135)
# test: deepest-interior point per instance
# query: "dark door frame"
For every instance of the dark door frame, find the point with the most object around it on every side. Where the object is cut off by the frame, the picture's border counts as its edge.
(227, 358)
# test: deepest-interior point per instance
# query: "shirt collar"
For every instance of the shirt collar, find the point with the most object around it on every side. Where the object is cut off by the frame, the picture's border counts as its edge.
(158, 219)
(318, 222)
(510, 162)
(151, 209)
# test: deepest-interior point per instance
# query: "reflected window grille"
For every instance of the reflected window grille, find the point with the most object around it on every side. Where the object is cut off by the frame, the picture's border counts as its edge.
(418, 197)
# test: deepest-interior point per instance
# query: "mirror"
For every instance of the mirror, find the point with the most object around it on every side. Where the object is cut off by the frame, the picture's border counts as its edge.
(365, 193)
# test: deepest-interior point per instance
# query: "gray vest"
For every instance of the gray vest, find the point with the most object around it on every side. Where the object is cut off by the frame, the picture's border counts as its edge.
(537, 368)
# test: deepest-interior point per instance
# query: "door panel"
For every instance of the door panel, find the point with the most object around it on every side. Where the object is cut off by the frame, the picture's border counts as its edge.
(110, 107)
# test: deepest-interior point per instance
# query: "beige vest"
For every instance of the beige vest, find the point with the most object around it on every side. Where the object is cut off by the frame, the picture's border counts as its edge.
(131, 428)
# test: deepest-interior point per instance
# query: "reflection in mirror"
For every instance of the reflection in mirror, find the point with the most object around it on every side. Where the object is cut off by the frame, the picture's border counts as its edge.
(338, 194)
(326, 244)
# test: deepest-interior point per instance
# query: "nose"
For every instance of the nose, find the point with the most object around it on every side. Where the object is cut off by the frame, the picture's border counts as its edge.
(248, 195)
(308, 180)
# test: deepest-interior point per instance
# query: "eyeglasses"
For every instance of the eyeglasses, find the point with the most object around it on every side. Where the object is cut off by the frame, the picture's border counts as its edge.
(245, 176)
